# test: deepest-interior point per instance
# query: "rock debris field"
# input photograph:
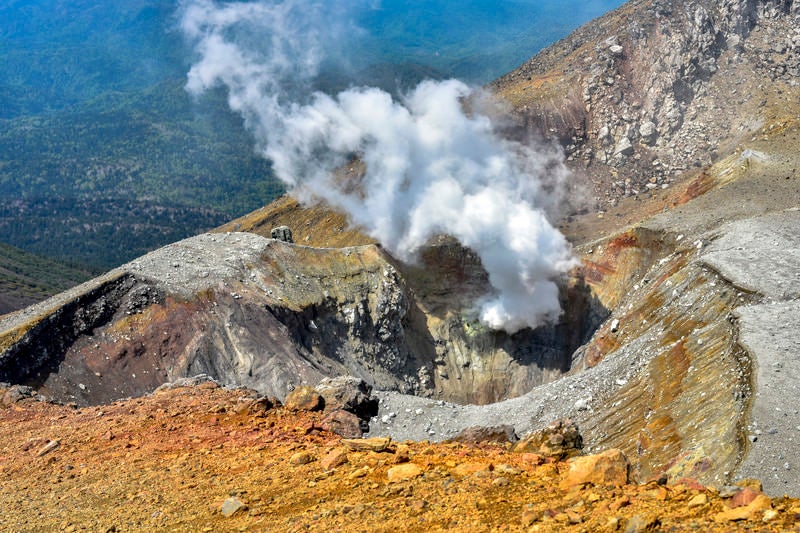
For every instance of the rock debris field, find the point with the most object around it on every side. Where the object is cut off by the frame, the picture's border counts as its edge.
(200, 457)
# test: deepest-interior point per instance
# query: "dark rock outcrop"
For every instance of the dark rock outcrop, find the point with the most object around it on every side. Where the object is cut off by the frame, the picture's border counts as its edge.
(348, 393)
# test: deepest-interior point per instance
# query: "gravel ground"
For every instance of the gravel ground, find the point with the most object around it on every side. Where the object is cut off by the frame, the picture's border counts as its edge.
(763, 255)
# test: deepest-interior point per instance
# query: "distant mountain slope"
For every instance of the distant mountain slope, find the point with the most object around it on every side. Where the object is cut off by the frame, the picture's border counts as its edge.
(26, 278)
(93, 111)
(58, 53)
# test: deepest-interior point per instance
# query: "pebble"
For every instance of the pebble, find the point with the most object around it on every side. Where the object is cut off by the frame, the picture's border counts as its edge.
(231, 506)
(49, 447)
(359, 473)
(403, 472)
(301, 458)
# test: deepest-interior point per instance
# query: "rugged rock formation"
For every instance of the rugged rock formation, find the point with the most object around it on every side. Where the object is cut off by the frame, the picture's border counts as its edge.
(660, 88)
(270, 315)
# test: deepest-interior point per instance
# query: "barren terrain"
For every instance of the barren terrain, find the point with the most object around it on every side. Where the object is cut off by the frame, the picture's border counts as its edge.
(205, 458)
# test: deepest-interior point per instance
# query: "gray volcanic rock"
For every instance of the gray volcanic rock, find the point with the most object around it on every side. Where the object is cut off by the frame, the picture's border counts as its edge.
(241, 308)
(703, 73)
(350, 394)
(702, 321)
(270, 315)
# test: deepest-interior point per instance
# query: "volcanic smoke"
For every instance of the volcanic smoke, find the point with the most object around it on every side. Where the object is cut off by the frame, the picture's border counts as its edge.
(431, 167)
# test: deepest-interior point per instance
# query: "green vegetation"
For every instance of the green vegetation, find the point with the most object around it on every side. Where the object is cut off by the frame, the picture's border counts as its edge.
(103, 155)
(97, 131)
(103, 232)
(126, 173)
(27, 278)
(156, 145)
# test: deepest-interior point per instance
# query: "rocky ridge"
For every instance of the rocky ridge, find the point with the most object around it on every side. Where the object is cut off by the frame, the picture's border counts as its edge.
(658, 90)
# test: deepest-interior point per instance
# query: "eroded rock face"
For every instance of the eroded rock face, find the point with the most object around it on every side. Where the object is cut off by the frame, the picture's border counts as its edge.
(657, 89)
(271, 315)
(241, 308)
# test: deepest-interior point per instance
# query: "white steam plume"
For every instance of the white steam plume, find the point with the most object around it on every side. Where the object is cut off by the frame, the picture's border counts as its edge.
(431, 168)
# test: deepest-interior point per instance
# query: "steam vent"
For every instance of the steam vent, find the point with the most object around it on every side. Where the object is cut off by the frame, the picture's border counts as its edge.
(678, 344)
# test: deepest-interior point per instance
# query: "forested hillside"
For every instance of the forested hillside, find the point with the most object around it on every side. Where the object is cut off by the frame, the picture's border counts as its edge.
(104, 156)
(26, 278)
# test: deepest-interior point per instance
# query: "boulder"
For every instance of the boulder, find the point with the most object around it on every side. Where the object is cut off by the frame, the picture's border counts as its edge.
(343, 423)
(304, 398)
(348, 393)
(282, 233)
(375, 444)
(257, 407)
(609, 468)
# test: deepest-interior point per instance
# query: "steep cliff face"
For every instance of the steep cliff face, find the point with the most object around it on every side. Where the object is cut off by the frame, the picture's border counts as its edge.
(270, 315)
(242, 308)
(657, 90)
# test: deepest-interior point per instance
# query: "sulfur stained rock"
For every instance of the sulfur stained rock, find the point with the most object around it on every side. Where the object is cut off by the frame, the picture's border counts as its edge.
(403, 472)
(336, 457)
(529, 516)
(181, 457)
(375, 444)
(304, 398)
(609, 468)
(699, 500)
(559, 440)
(755, 510)
(301, 458)
(744, 497)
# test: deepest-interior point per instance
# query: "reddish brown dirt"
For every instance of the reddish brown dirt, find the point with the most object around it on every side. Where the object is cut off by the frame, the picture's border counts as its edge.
(168, 462)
